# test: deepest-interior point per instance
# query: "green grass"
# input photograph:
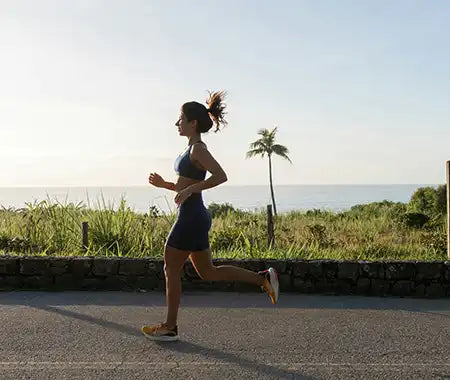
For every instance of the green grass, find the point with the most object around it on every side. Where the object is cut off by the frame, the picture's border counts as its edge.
(366, 232)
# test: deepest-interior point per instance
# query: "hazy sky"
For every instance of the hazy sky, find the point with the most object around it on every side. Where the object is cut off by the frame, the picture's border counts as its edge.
(90, 90)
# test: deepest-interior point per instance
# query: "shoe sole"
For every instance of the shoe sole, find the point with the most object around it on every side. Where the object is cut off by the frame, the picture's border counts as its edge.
(163, 338)
(275, 284)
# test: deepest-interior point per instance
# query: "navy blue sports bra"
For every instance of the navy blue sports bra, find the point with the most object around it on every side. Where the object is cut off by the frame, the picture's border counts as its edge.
(185, 168)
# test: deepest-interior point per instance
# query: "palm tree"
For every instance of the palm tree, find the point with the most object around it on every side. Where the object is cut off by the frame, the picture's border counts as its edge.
(265, 145)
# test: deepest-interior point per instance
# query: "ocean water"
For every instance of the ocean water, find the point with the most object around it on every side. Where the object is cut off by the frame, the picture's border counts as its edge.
(287, 197)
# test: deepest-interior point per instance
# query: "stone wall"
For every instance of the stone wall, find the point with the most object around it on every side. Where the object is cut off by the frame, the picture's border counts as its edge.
(382, 278)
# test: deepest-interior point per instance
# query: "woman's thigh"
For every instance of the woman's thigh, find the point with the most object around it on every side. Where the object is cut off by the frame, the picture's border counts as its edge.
(174, 258)
(202, 262)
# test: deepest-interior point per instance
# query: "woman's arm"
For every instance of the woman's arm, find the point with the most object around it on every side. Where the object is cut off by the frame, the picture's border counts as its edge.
(156, 180)
(201, 155)
(169, 186)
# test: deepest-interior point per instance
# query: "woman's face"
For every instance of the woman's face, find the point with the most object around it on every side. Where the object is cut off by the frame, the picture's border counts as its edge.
(186, 128)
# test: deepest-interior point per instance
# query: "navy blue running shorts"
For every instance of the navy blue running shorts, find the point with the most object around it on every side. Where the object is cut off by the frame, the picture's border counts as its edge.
(190, 230)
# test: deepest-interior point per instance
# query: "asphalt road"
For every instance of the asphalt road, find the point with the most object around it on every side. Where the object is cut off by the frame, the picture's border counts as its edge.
(96, 335)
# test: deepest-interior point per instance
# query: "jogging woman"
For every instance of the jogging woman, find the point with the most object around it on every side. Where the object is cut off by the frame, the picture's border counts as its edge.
(189, 234)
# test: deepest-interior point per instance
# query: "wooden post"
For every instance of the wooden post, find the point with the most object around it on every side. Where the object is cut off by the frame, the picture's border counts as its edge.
(448, 208)
(270, 233)
(85, 236)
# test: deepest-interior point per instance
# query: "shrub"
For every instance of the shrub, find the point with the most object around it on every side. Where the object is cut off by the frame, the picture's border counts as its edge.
(429, 201)
(217, 209)
(374, 209)
(415, 219)
(153, 212)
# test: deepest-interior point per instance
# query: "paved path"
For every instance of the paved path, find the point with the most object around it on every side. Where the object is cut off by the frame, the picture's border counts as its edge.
(95, 335)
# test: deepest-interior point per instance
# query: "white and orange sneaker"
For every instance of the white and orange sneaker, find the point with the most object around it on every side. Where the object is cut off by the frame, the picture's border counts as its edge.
(271, 285)
(161, 332)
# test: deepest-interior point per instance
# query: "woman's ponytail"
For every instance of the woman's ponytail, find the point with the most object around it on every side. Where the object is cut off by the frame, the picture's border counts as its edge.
(216, 108)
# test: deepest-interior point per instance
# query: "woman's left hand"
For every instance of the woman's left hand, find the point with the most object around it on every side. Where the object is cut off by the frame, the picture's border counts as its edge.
(182, 196)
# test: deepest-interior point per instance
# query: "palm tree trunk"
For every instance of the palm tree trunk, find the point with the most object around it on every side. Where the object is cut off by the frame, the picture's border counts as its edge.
(271, 186)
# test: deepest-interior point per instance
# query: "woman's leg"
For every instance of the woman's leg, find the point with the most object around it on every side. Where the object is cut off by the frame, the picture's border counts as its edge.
(202, 262)
(174, 260)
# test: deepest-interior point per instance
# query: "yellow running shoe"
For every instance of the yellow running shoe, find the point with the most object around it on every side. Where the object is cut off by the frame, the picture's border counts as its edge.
(271, 285)
(161, 332)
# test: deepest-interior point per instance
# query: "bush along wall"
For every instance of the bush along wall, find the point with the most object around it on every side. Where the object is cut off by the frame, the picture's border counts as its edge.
(382, 278)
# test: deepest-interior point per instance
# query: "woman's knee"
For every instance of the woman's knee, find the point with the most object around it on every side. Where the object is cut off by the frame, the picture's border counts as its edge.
(172, 270)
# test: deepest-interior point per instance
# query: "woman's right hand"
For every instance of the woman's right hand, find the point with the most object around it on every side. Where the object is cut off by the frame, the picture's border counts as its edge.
(156, 180)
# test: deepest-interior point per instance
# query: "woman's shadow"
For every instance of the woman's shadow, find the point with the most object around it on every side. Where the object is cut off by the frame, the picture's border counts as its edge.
(263, 370)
